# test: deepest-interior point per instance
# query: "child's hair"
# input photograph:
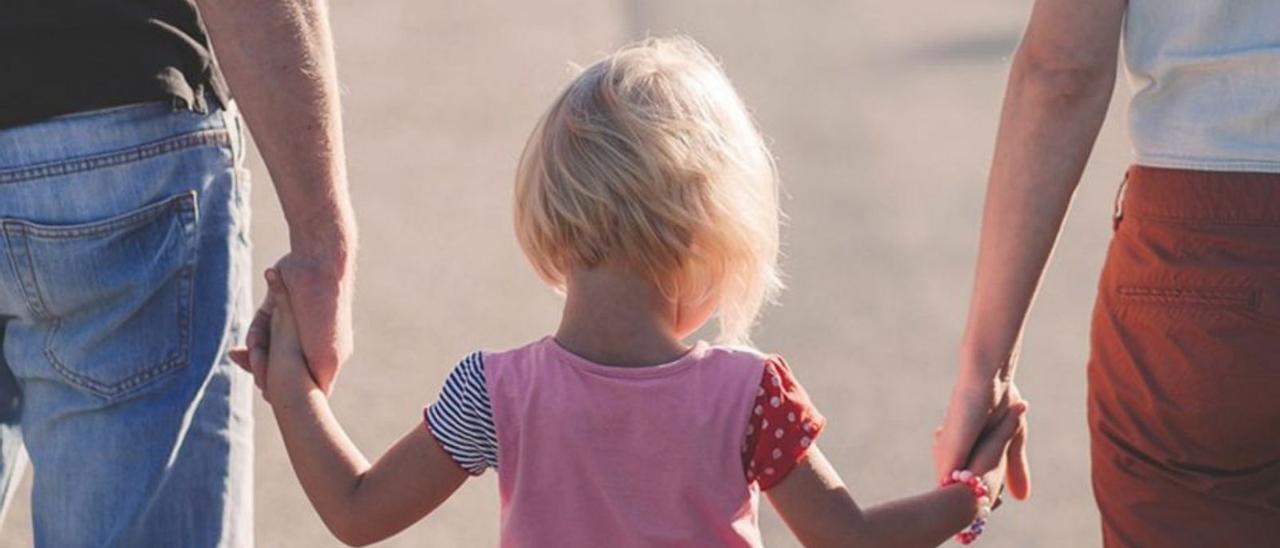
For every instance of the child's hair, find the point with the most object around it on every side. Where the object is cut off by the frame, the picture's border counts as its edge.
(649, 159)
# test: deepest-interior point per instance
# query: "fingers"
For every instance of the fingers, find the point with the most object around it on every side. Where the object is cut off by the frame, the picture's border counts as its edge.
(284, 328)
(283, 320)
(955, 445)
(279, 293)
(240, 357)
(258, 366)
(1019, 474)
(955, 440)
(259, 334)
(253, 358)
(994, 443)
(274, 313)
(966, 418)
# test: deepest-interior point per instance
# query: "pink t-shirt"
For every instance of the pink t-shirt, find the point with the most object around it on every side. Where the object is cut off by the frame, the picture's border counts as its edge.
(593, 455)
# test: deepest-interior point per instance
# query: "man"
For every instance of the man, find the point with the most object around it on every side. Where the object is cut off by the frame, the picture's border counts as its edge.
(124, 261)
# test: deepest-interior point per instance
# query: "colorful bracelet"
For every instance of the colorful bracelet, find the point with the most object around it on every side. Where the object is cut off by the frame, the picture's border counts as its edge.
(981, 493)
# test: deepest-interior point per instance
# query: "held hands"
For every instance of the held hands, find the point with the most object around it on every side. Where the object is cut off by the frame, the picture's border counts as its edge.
(280, 366)
(977, 411)
(990, 458)
(323, 288)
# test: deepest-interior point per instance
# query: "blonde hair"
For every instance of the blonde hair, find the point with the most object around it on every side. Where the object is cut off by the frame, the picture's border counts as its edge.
(649, 158)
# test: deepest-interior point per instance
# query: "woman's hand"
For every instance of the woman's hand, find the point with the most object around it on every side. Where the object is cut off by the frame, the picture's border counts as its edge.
(976, 408)
(995, 448)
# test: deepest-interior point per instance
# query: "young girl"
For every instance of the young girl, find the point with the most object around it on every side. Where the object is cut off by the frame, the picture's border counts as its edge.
(648, 197)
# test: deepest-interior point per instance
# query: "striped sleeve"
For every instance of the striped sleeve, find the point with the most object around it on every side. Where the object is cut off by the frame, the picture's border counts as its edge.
(461, 419)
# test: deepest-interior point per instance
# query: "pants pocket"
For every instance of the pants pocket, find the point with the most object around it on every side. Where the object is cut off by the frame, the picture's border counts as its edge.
(1201, 297)
(113, 296)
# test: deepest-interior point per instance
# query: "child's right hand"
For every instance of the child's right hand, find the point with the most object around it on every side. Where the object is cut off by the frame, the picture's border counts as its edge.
(990, 456)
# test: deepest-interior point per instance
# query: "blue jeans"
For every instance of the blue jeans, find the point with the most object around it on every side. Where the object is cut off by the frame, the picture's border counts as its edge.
(124, 280)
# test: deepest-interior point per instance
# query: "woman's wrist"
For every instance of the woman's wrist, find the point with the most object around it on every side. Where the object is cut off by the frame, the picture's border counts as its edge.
(980, 367)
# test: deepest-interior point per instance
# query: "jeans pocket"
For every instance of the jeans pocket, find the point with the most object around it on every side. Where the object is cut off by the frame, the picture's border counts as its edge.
(114, 296)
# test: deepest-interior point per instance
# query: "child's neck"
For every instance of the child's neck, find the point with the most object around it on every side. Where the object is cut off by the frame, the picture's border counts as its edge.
(613, 317)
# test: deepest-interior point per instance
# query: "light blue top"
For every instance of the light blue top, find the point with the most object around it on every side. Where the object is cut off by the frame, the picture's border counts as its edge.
(1205, 76)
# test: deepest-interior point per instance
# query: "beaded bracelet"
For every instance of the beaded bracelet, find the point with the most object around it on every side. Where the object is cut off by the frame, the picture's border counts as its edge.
(981, 493)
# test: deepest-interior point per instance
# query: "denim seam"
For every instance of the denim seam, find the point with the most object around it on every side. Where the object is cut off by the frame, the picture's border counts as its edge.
(117, 158)
(171, 362)
(13, 262)
(30, 287)
(37, 293)
(182, 204)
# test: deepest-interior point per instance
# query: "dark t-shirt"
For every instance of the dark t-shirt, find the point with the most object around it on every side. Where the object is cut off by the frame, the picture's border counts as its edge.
(64, 56)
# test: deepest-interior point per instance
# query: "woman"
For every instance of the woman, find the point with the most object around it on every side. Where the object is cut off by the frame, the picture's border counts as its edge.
(1184, 374)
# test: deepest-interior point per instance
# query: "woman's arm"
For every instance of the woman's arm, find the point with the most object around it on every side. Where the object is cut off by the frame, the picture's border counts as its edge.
(1059, 88)
(359, 502)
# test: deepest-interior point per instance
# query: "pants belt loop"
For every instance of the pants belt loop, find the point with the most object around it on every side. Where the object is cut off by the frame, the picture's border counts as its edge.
(1118, 213)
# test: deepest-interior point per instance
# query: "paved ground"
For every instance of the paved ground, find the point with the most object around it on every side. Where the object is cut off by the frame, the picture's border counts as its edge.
(882, 115)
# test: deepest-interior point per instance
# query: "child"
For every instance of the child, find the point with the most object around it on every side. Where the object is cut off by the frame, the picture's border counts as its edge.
(648, 197)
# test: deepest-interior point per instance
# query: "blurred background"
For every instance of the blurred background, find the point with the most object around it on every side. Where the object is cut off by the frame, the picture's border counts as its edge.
(882, 116)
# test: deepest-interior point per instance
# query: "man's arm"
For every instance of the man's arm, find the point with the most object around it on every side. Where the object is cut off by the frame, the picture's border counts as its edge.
(278, 58)
(1059, 88)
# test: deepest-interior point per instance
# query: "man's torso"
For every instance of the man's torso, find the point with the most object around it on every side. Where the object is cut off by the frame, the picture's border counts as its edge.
(64, 56)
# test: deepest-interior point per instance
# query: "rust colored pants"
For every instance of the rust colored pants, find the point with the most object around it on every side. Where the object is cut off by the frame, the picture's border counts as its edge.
(1184, 373)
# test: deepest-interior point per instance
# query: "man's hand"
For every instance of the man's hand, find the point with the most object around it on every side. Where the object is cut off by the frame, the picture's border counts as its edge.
(976, 407)
(321, 298)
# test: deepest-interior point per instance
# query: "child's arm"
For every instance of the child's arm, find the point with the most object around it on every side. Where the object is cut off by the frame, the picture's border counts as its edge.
(818, 508)
(359, 503)
(820, 511)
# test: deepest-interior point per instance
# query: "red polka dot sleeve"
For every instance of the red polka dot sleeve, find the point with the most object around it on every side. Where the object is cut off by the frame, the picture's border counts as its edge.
(783, 425)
